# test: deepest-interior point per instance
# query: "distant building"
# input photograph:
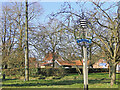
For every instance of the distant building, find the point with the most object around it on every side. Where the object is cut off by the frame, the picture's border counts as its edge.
(60, 62)
(101, 63)
(118, 67)
(68, 64)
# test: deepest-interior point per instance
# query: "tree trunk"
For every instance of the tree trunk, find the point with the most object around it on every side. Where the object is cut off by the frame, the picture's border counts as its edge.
(53, 55)
(53, 60)
(113, 77)
(3, 77)
(53, 63)
(109, 72)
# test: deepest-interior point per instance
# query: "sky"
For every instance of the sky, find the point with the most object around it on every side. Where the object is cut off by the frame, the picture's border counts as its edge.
(49, 7)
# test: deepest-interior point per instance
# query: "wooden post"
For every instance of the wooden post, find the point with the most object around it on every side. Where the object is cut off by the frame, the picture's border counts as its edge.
(26, 45)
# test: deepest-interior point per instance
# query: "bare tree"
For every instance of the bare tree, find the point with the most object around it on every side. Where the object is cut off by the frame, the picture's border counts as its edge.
(13, 38)
(48, 38)
(107, 34)
(103, 22)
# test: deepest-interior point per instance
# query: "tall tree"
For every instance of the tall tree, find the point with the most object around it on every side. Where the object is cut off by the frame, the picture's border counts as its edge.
(107, 35)
(48, 38)
(13, 32)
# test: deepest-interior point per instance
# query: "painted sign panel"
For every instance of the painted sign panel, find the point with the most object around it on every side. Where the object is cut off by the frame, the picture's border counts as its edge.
(84, 40)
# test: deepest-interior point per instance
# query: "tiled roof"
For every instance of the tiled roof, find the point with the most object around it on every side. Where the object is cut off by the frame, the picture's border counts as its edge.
(49, 57)
(65, 63)
(59, 59)
(71, 63)
(44, 64)
(77, 62)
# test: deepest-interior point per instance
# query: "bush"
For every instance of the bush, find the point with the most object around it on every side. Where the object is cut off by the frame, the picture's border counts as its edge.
(14, 71)
(96, 70)
(59, 72)
(52, 71)
(33, 72)
(19, 71)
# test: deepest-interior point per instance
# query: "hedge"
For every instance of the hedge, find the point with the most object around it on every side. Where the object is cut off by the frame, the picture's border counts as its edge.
(48, 71)
(51, 71)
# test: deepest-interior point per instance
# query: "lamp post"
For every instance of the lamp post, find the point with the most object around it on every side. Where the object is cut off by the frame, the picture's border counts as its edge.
(78, 33)
(85, 69)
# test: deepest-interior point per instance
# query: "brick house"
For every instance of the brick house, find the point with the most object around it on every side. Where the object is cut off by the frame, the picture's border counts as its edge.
(59, 62)
(118, 67)
(101, 63)
(69, 64)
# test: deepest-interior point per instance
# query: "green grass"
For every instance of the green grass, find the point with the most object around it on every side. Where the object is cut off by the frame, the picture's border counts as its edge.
(96, 80)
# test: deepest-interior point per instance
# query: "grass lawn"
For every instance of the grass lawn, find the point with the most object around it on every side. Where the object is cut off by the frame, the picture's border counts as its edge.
(96, 80)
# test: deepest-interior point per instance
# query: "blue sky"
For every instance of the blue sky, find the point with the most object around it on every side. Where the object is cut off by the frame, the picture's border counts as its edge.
(49, 7)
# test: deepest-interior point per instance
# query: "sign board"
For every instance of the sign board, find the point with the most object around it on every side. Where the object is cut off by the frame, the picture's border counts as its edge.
(84, 40)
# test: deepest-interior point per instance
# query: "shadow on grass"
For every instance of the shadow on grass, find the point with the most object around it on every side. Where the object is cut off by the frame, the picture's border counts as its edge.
(102, 81)
(7, 79)
(98, 81)
(50, 83)
(65, 82)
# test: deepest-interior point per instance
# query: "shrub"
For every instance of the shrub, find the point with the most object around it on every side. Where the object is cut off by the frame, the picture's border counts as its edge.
(96, 70)
(14, 71)
(33, 72)
(59, 72)
(52, 71)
